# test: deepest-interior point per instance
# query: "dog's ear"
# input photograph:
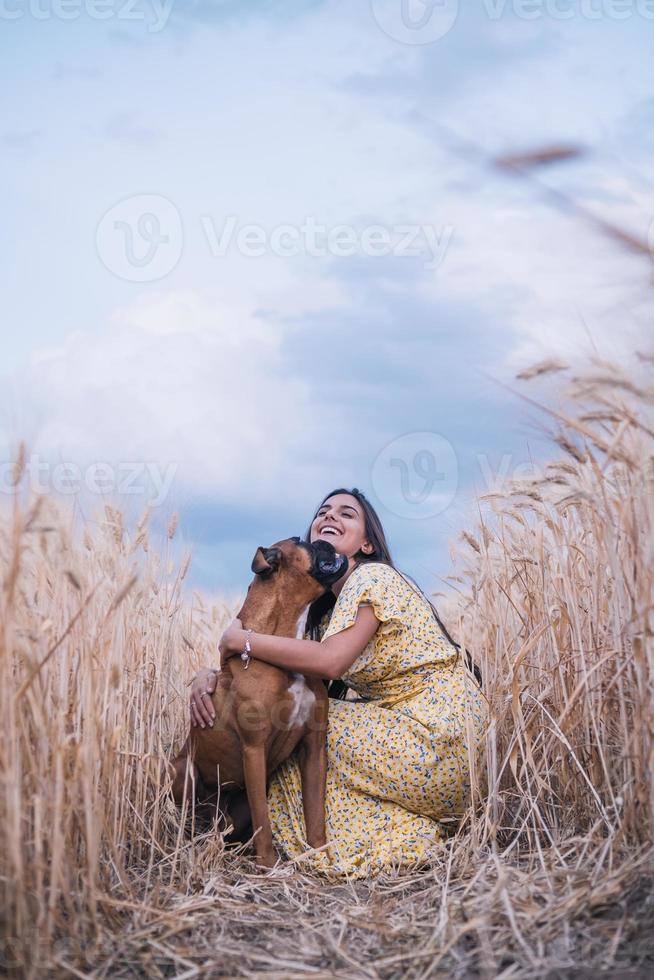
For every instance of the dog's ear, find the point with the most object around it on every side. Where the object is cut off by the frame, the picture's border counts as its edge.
(266, 560)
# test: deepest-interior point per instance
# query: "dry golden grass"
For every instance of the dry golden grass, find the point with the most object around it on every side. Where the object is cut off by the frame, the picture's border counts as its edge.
(549, 874)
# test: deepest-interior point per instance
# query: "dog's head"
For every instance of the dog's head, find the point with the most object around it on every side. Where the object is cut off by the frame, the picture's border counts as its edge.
(289, 576)
(295, 557)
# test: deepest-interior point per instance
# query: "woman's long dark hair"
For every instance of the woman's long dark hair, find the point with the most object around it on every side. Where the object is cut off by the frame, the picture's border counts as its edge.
(380, 553)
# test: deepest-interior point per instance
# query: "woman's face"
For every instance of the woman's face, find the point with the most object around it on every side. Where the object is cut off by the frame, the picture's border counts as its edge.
(340, 521)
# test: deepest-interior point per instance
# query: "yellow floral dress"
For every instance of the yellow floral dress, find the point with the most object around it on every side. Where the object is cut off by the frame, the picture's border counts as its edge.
(398, 764)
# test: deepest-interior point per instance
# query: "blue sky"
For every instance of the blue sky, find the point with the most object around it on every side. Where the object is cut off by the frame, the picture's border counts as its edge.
(248, 367)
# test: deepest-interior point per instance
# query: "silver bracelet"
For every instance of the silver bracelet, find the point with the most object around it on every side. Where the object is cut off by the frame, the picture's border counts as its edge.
(246, 655)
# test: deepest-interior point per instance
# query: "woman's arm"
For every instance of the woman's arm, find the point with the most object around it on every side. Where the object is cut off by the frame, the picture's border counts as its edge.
(329, 659)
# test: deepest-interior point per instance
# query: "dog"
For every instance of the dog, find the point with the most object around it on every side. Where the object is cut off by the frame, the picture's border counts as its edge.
(262, 712)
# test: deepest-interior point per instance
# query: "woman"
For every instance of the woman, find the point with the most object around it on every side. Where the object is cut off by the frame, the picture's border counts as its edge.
(398, 760)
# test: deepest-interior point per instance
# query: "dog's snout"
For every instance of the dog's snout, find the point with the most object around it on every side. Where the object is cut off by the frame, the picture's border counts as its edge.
(329, 565)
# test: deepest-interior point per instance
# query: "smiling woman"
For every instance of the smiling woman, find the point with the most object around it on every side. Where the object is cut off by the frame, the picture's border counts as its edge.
(398, 758)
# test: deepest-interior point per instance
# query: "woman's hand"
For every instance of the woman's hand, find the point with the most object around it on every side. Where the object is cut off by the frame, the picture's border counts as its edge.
(202, 687)
(204, 682)
(231, 642)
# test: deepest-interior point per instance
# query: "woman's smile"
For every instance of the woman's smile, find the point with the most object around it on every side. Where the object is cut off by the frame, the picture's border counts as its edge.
(329, 529)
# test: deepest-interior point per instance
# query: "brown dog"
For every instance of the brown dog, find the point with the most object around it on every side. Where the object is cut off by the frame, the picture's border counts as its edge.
(262, 712)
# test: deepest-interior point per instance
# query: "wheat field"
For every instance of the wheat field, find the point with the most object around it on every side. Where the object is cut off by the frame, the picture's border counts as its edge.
(549, 874)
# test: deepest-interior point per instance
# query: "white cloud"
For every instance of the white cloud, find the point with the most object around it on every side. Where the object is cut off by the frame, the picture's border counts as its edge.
(178, 381)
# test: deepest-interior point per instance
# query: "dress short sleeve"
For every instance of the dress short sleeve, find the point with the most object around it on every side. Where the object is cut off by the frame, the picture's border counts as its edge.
(374, 584)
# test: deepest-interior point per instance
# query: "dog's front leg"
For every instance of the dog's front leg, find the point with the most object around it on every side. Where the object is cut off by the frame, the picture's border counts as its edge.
(254, 769)
(313, 768)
